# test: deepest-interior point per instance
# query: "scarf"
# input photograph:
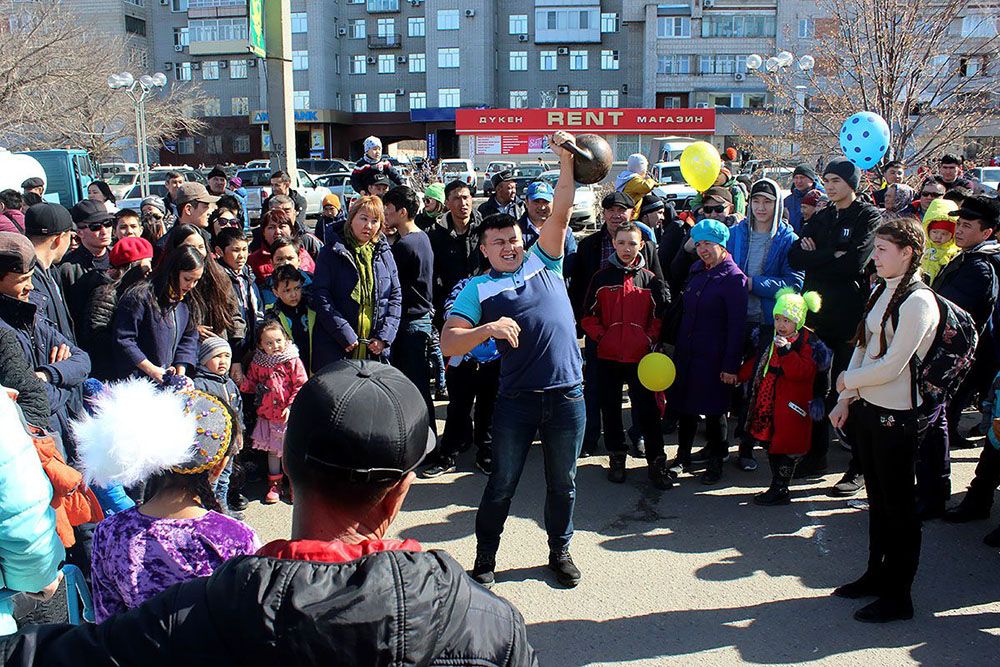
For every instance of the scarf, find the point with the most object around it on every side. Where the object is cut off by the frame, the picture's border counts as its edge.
(265, 360)
(364, 291)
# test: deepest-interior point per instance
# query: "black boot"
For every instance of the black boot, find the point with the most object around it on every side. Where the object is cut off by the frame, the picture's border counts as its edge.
(483, 569)
(616, 468)
(567, 573)
(886, 609)
(659, 474)
(782, 467)
(869, 585)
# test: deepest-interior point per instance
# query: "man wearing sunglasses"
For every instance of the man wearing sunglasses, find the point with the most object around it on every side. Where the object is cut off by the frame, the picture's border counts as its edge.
(931, 189)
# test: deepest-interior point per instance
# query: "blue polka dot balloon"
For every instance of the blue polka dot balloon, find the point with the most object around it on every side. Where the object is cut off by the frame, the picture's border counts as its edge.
(864, 138)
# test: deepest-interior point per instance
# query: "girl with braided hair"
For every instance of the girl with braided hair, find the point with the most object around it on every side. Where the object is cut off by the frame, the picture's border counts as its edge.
(878, 400)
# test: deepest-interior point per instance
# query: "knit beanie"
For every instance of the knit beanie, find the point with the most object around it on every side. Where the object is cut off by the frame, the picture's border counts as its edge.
(637, 163)
(331, 199)
(435, 191)
(795, 306)
(846, 169)
(805, 170)
(210, 347)
(372, 142)
(156, 202)
(813, 198)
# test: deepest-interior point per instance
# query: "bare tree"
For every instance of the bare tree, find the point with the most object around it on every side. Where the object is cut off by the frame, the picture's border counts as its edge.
(924, 69)
(54, 92)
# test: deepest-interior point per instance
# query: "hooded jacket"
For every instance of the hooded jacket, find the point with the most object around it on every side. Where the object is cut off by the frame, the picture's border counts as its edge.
(776, 272)
(385, 608)
(937, 255)
(50, 297)
(844, 241)
(337, 313)
(636, 187)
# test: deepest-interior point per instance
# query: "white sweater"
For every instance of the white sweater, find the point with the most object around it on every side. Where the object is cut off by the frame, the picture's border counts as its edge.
(886, 381)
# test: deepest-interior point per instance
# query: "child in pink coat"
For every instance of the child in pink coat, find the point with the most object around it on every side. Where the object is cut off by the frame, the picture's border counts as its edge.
(275, 376)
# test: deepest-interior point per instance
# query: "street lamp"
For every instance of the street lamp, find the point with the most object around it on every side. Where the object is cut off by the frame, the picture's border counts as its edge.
(776, 65)
(137, 91)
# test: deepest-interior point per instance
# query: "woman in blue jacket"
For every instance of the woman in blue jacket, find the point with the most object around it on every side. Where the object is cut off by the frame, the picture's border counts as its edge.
(356, 292)
(156, 325)
(759, 245)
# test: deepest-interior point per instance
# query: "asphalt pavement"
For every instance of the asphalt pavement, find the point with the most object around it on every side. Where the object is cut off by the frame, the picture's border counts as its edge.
(701, 575)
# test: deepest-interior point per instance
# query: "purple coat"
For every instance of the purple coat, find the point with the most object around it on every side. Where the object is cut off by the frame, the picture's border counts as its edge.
(710, 339)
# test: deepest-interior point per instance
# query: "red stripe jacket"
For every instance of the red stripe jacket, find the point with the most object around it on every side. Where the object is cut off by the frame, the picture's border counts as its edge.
(622, 312)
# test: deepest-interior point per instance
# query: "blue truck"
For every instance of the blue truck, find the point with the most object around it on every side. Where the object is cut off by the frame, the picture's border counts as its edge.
(68, 172)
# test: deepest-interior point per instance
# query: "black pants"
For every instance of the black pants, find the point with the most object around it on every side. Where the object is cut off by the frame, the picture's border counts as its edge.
(611, 377)
(716, 434)
(820, 444)
(934, 463)
(987, 478)
(886, 441)
(472, 396)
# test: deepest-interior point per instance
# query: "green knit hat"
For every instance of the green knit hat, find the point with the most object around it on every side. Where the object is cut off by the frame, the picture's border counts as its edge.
(435, 191)
(795, 306)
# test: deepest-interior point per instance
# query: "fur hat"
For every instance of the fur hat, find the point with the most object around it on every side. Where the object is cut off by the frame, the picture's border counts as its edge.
(795, 306)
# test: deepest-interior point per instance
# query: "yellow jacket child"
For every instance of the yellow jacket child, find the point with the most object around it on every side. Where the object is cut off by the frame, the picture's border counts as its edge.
(940, 229)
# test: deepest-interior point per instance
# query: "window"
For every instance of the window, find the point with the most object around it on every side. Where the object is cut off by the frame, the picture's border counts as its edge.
(970, 66)
(359, 103)
(359, 65)
(578, 99)
(300, 60)
(568, 25)
(724, 100)
(212, 107)
(673, 65)
(448, 58)
(182, 71)
(415, 26)
(609, 22)
(722, 64)
(386, 27)
(609, 99)
(300, 99)
(300, 23)
(386, 64)
(237, 69)
(447, 19)
(672, 102)
(241, 143)
(807, 28)
(418, 62)
(738, 25)
(182, 37)
(218, 30)
(978, 25)
(609, 59)
(185, 145)
(519, 99)
(137, 3)
(518, 24)
(578, 60)
(626, 144)
(547, 61)
(210, 70)
(241, 106)
(135, 26)
(356, 29)
(418, 100)
(213, 144)
(179, 6)
(386, 102)
(449, 97)
(518, 61)
(674, 27)
(355, 2)
(383, 5)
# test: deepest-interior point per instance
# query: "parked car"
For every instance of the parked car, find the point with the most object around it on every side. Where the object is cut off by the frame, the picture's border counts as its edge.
(492, 169)
(457, 169)
(122, 182)
(584, 212)
(258, 164)
(258, 186)
(324, 166)
(109, 169)
(526, 174)
(339, 184)
(988, 176)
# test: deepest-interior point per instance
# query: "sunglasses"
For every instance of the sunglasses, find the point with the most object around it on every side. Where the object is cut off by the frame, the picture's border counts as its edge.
(97, 226)
(713, 209)
(228, 222)
(932, 195)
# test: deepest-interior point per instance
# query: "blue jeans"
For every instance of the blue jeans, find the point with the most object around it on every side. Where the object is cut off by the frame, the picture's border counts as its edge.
(222, 484)
(410, 354)
(559, 416)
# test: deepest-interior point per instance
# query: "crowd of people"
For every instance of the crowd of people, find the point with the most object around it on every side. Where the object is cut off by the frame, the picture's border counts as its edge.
(163, 358)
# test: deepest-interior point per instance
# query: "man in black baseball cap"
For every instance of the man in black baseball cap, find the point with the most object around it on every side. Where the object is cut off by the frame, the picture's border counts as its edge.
(50, 227)
(380, 184)
(338, 592)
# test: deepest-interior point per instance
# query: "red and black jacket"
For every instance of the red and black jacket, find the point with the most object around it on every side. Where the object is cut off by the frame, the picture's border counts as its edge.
(623, 310)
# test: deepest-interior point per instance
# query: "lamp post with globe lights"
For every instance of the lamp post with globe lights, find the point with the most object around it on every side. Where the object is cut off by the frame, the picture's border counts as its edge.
(776, 66)
(138, 90)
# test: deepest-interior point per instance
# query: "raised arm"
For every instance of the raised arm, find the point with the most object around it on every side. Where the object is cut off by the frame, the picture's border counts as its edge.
(553, 235)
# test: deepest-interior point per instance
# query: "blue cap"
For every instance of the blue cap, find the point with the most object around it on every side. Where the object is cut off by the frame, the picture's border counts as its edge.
(540, 190)
(710, 230)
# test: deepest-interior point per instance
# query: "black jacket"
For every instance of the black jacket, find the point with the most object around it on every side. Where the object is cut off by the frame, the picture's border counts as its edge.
(17, 373)
(491, 206)
(841, 281)
(50, 298)
(588, 263)
(300, 208)
(97, 321)
(456, 256)
(970, 281)
(387, 608)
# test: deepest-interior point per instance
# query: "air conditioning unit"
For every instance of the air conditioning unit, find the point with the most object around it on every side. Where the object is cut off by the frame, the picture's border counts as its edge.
(701, 105)
(164, 2)
(522, 38)
(371, 60)
(740, 76)
(708, 4)
(252, 62)
(562, 51)
(341, 31)
(400, 91)
(195, 65)
(562, 90)
(178, 48)
(624, 89)
(223, 64)
(168, 66)
(400, 59)
(416, 3)
(469, 13)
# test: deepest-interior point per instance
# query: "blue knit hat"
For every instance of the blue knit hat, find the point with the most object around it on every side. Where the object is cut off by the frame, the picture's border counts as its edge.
(710, 230)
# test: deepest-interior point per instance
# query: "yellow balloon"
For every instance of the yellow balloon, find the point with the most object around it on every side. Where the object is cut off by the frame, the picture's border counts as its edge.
(700, 165)
(656, 371)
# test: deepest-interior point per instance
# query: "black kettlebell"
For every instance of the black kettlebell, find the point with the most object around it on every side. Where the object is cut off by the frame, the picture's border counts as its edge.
(593, 158)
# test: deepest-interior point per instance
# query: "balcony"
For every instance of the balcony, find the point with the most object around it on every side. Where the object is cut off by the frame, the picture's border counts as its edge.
(382, 6)
(390, 41)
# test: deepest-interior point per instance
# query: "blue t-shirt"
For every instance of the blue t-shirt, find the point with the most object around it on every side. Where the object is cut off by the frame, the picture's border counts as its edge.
(534, 296)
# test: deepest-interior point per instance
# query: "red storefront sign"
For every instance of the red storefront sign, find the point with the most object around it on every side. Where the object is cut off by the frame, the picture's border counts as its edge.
(598, 121)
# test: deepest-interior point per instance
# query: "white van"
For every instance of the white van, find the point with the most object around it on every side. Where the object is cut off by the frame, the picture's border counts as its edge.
(456, 169)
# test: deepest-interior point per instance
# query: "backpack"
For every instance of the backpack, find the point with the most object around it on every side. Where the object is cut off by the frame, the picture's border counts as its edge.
(938, 375)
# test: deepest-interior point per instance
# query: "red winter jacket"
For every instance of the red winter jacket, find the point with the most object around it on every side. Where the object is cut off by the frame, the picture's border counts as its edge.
(622, 310)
